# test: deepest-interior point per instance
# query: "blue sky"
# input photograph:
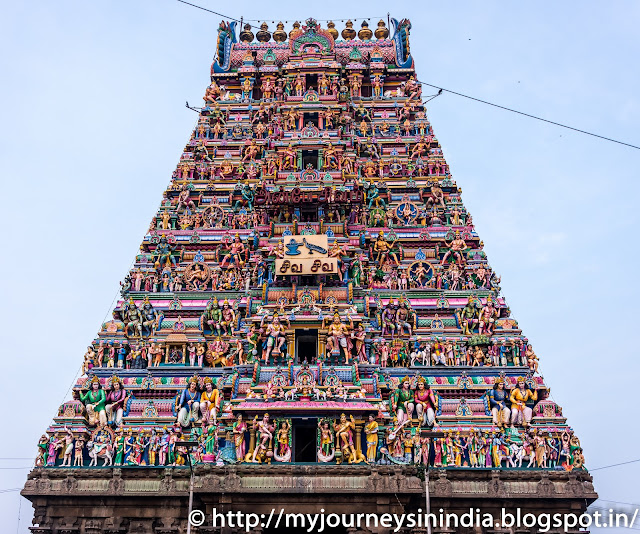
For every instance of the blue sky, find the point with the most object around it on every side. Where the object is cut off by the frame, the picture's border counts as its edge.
(93, 123)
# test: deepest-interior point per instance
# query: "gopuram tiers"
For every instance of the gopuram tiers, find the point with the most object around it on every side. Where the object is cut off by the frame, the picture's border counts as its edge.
(311, 319)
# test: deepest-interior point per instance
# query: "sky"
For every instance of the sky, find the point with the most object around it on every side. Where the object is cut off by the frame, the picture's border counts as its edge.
(93, 121)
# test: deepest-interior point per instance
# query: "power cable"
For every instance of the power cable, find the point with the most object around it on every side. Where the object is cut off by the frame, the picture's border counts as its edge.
(342, 19)
(530, 116)
(614, 465)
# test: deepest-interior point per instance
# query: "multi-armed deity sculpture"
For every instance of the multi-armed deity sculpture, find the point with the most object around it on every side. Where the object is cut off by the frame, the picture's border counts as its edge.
(311, 259)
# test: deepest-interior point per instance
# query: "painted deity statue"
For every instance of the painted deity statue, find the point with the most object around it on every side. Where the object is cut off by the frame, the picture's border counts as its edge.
(371, 432)
(212, 317)
(521, 414)
(187, 406)
(209, 401)
(498, 404)
(339, 337)
(264, 432)
(403, 401)
(94, 402)
(425, 403)
(344, 431)
(239, 430)
(275, 333)
(115, 402)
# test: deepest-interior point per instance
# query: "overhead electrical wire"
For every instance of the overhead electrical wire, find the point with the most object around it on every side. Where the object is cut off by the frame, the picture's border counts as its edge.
(529, 115)
(264, 20)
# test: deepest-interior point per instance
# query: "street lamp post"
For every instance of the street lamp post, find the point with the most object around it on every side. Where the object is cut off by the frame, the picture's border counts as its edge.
(188, 445)
(427, 497)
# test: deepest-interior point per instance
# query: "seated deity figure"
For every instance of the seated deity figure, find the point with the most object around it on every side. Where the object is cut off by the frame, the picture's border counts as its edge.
(132, 318)
(521, 414)
(404, 317)
(188, 405)
(94, 402)
(210, 402)
(212, 318)
(115, 402)
(403, 401)
(425, 403)
(150, 316)
(498, 404)
(468, 316)
(339, 337)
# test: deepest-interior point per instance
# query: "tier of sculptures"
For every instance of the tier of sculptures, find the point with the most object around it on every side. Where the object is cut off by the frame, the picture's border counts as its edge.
(347, 157)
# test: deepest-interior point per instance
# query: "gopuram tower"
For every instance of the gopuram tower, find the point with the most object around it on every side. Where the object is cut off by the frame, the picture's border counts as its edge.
(311, 321)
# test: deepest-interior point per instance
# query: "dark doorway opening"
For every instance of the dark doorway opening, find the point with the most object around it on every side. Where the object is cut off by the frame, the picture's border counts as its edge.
(312, 82)
(306, 346)
(304, 440)
(310, 119)
(310, 157)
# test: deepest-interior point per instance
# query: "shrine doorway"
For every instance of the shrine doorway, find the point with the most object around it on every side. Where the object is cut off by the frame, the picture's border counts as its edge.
(305, 435)
(306, 346)
(310, 157)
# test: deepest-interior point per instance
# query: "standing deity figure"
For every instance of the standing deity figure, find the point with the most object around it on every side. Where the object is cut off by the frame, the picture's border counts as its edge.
(275, 333)
(326, 451)
(188, 405)
(210, 402)
(247, 89)
(371, 432)
(456, 249)
(94, 402)
(425, 403)
(344, 431)
(68, 448)
(402, 401)
(359, 336)
(498, 404)
(487, 318)
(239, 429)
(283, 452)
(331, 160)
(115, 401)
(228, 319)
(264, 433)
(521, 414)
(388, 319)
(377, 86)
(468, 316)
(339, 337)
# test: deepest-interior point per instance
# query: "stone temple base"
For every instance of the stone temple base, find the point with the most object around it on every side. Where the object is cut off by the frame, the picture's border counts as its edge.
(156, 500)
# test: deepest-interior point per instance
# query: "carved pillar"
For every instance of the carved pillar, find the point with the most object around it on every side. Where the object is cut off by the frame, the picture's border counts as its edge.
(184, 353)
(252, 439)
(322, 344)
(291, 345)
(359, 436)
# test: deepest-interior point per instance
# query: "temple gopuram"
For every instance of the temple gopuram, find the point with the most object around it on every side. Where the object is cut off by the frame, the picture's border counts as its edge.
(311, 321)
